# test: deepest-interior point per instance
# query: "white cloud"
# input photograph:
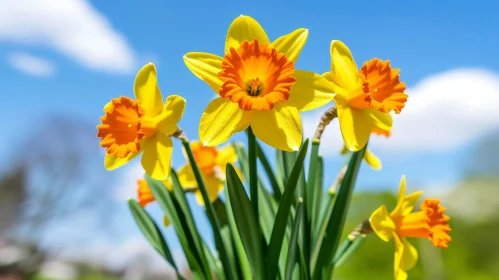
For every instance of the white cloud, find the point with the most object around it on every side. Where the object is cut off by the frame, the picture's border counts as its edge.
(31, 65)
(72, 27)
(443, 112)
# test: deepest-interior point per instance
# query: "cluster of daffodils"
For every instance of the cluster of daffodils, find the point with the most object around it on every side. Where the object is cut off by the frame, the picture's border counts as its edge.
(260, 91)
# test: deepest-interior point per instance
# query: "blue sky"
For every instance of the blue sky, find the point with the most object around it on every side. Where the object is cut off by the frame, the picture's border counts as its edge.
(446, 50)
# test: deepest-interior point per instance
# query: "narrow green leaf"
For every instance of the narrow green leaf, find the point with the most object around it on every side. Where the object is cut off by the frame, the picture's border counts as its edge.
(246, 222)
(315, 184)
(320, 231)
(244, 264)
(210, 212)
(293, 243)
(164, 199)
(152, 233)
(283, 211)
(253, 177)
(188, 219)
(270, 173)
(338, 216)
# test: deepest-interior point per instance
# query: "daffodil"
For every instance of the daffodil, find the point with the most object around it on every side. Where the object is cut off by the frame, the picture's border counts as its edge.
(130, 127)
(211, 162)
(363, 97)
(258, 86)
(145, 197)
(430, 222)
(369, 157)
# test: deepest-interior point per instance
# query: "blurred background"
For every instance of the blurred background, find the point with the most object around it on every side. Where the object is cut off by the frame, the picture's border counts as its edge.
(64, 217)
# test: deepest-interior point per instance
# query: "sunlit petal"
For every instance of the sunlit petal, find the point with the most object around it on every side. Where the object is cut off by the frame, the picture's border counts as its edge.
(147, 91)
(382, 223)
(343, 68)
(157, 156)
(280, 128)
(244, 28)
(292, 43)
(206, 67)
(310, 91)
(111, 162)
(355, 128)
(220, 120)
(171, 115)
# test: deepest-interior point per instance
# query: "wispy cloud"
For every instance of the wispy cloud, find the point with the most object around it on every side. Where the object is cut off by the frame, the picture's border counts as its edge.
(72, 27)
(443, 112)
(31, 65)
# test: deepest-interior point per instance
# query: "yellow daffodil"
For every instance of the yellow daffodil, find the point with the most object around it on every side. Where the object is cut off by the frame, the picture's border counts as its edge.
(258, 86)
(211, 162)
(145, 197)
(363, 98)
(131, 127)
(369, 157)
(429, 223)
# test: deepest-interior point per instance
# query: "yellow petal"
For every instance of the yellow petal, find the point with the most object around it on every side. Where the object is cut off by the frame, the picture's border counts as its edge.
(111, 162)
(406, 257)
(147, 91)
(338, 90)
(226, 155)
(186, 177)
(220, 120)
(354, 126)
(279, 128)
(171, 115)
(343, 68)
(405, 203)
(291, 44)
(399, 272)
(213, 186)
(157, 156)
(382, 223)
(310, 91)
(206, 67)
(379, 120)
(244, 28)
(372, 160)
(166, 221)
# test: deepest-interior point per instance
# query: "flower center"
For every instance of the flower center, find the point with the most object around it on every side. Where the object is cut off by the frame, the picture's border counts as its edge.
(256, 76)
(429, 223)
(380, 88)
(123, 125)
(144, 193)
(206, 158)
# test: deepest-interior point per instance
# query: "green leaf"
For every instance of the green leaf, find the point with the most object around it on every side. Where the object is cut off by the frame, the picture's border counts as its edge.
(314, 187)
(214, 263)
(293, 243)
(270, 173)
(281, 219)
(338, 215)
(210, 212)
(163, 197)
(246, 222)
(152, 233)
(244, 263)
(188, 219)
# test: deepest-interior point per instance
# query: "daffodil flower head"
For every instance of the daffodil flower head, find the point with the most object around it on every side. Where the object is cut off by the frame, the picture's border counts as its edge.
(258, 86)
(130, 127)
(211, 162)
(363, 97)
(430, 222)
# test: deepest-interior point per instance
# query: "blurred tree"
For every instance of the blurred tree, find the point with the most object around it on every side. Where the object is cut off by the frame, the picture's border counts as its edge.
(58, 175)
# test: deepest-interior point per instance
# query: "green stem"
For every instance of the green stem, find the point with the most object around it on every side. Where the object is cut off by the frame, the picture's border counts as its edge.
(253, 180)
(210, 212)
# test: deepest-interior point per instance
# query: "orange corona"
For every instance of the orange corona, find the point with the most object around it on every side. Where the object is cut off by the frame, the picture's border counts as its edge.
(256, 76)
